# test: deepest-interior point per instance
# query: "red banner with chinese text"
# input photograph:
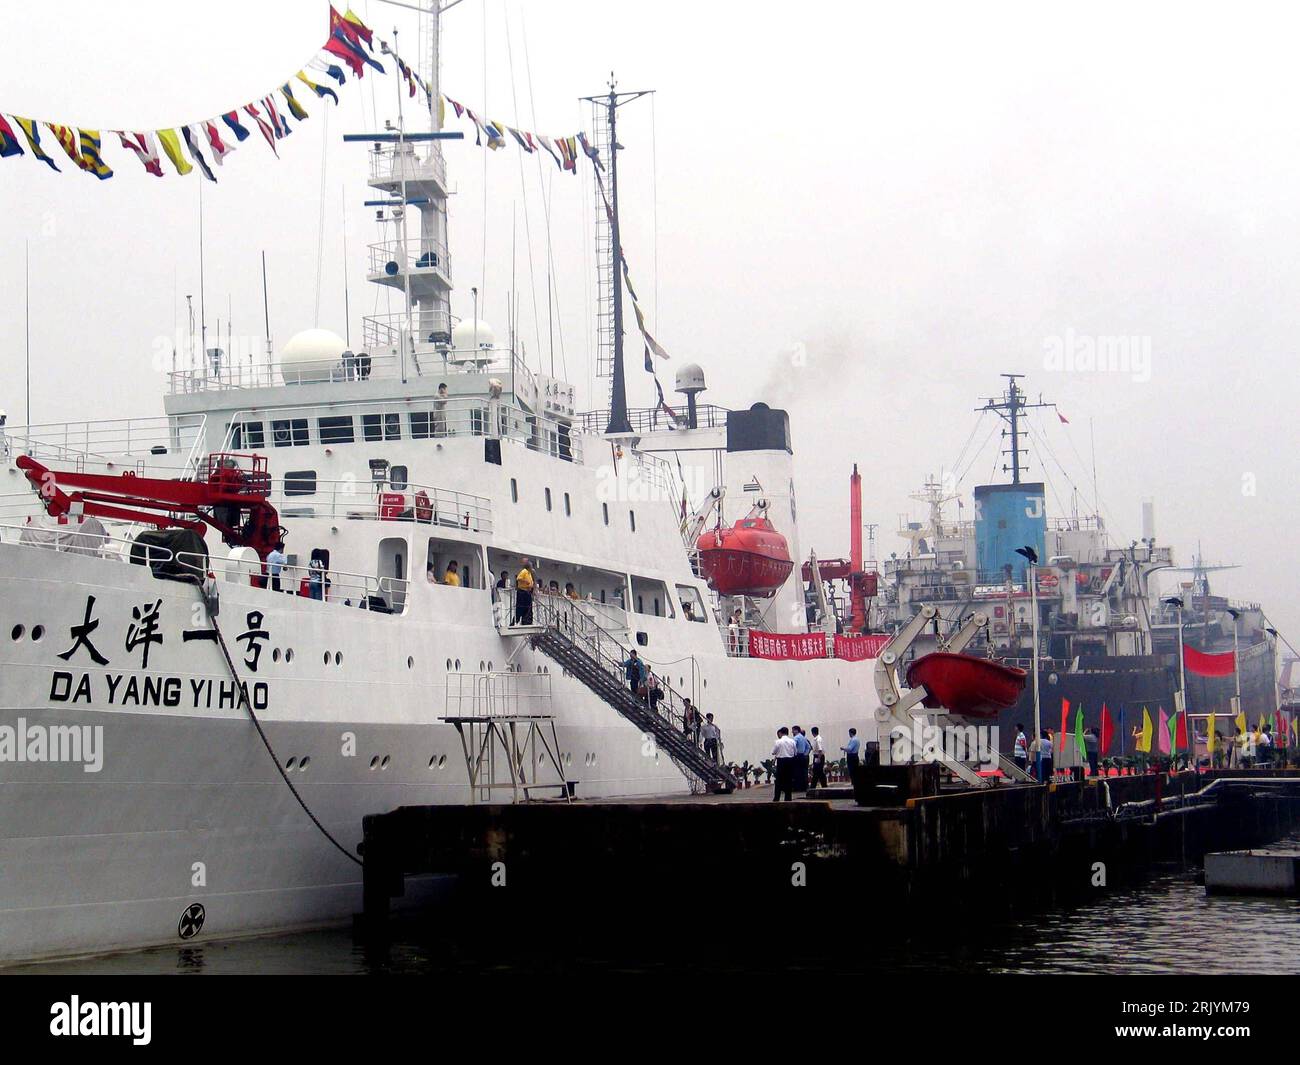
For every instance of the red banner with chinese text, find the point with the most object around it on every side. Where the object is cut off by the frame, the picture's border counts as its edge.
(778, 645)
(859, 648)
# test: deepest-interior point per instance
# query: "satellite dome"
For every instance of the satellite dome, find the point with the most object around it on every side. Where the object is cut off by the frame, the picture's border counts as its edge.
(312, 355)
(470, 333)
(690, 378)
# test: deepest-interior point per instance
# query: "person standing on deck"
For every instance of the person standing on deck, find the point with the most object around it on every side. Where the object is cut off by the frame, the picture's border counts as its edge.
(783, 752)
(524, 594)
(818, 760)
(690, 721)
(712, 736)
(276, 560)
(851, 752)
(440, 411)
(452, 576)
(1020, 751)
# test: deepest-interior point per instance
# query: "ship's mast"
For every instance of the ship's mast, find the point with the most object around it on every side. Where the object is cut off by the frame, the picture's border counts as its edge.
(610, 103)
(1009, 408)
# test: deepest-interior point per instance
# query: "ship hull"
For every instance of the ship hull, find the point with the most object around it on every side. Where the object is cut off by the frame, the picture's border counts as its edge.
(187, 807)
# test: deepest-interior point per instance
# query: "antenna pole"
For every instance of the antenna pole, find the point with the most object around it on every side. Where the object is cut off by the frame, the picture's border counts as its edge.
(203, 305)
(1010, 407)
(266, 312)
(347, 313)
(27, 324)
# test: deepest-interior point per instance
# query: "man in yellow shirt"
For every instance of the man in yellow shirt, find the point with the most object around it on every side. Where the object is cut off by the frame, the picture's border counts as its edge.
(524, 594)
(452, 576)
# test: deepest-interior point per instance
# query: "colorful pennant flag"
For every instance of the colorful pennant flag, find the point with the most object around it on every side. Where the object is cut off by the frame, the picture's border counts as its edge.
(1162, 737)
(1079, 744)
(264, 126)
(91, 160)
(320, 90)
(1144, 739)
(218, 145)
(145, 148)
(171, 145)
(8, 140)
(1107, 730)
(67, 141)
(193, 138)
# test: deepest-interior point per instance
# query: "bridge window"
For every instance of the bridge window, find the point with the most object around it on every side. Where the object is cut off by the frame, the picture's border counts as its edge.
(336, 430)
(568, 509)
(300, 483)
(381, 427)
(421, 425)
(605, 510)
(247, 435)
(631, 517)
(289, 432)
(548, 499)
(514, 490)
(397, 478)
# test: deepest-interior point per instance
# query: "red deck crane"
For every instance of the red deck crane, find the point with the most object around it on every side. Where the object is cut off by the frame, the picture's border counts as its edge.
(230, 495)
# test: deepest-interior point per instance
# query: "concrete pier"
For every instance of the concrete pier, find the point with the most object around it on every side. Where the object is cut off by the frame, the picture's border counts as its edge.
(995, 851)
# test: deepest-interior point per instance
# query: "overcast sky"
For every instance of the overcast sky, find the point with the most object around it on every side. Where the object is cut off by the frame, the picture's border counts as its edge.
(915, 198)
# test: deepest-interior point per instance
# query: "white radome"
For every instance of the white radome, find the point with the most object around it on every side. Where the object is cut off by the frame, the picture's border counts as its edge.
(470, 333)
(311, 355)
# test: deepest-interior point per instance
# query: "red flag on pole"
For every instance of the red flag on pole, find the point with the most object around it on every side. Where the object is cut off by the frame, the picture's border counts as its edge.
(1059, 752)
(1107, 729)
(1180, 735)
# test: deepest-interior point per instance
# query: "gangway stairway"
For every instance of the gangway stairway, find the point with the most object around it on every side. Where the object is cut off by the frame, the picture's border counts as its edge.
(572, 638)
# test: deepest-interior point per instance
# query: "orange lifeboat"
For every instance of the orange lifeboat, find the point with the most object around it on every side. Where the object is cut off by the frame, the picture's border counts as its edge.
(750, 558)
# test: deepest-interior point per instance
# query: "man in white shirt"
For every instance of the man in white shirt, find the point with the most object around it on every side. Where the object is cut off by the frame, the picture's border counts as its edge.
(783, 752)
(818, 759)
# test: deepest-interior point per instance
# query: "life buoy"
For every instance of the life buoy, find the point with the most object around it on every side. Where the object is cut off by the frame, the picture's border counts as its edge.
(423, 508)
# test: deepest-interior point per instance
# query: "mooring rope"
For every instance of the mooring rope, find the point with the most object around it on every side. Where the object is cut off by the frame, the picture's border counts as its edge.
(243, 697)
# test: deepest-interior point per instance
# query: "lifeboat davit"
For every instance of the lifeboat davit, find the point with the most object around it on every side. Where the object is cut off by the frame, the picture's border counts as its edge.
(966, 686)
(751, 558)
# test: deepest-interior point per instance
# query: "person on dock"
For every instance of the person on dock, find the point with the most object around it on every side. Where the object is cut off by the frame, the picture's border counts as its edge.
(802, 749)
(818, 760)
(524, 594)
(634, 671)
(783, 752)
(712, 737)
(1020, 752)
(1045, 757)
(1090, 742)
(851, 750)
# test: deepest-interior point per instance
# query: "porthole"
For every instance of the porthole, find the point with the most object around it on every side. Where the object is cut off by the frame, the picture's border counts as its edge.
(275, 655)
(593, 757)
(327, 658)
(449, 665)
(384, 763)
(433, 761)
(410, 662)
(489, 665)
(37, 632)
(458, 665)
(374, 762)
(442, 761)
(303, 763)
(291, 763)
(338, 658)
(16, 633)
(481, 665)
(288, 655)
(541, 759)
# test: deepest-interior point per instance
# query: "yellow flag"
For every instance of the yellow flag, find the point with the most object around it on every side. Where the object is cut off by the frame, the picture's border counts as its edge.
(1240, 722)
(171, 144)
(1211, 740)
(1259, 728)
(442, 111)
(1144, 741)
